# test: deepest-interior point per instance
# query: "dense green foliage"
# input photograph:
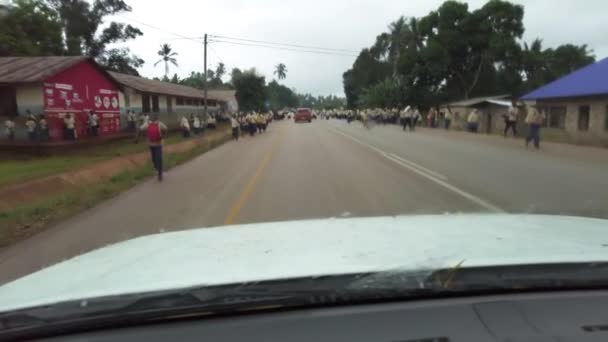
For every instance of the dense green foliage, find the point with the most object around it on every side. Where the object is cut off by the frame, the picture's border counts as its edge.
(68, 27)
(455, 53)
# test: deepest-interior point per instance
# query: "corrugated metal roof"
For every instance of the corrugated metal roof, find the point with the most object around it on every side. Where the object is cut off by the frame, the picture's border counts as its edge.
(476, 100)
(164, 88)
(587, 81)
(34, 69)
(500, 102)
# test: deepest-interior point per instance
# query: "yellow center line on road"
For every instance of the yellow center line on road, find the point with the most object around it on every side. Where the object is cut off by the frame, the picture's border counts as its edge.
(253, 181)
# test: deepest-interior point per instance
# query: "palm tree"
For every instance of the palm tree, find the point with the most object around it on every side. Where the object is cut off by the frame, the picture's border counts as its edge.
(280, 71)
(220, 71)
(167, 57)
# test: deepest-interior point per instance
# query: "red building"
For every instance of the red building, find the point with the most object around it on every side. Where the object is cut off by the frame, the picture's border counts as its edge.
(56, 86)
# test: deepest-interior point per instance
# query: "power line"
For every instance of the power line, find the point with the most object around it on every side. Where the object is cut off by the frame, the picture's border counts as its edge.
(216, 54)
(285, 49)
(284, 44)
(161, 29)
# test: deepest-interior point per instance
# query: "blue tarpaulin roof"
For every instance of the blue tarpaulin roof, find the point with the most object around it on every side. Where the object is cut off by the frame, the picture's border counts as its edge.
(588, 81)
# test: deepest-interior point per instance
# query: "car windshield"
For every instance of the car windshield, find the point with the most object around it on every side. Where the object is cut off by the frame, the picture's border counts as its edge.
(146, 149)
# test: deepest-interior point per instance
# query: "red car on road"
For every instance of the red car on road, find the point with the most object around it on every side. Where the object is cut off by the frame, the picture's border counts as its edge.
(303, 114)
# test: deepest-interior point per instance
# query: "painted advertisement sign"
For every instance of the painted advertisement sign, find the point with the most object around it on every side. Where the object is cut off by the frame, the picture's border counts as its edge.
(79, 90)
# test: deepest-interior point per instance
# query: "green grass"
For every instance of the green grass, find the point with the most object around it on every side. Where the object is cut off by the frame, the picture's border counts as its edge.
(17, 170)
(24, 221)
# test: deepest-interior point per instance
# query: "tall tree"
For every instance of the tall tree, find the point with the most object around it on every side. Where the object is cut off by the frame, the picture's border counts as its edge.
(30, 28)
(120, 60)
(220, 71)
(250, 90)
(280, 96)
(81, 28)
(466, 41)
(167, 57)
(281, 71)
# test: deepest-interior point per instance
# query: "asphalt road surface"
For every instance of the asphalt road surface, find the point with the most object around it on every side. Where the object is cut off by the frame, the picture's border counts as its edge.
(333, 169)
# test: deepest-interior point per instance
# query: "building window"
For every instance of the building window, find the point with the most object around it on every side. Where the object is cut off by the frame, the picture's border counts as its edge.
(556, 117)
(155, 107)
(8, 102)
(145, 103)
(127, 100)
(583, 118)
(189, 102)
(179, 101)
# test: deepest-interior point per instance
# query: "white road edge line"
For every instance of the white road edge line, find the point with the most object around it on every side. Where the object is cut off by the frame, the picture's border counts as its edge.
(392, 157)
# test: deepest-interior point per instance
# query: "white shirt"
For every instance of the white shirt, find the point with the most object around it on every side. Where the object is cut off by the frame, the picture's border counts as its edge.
(185, 124)
(31, 125)
(93, 120)
(513, 111)
(234, 123)
(197, 122)
(69, 122)
(42, 124)
(131, 117)
(9, 124)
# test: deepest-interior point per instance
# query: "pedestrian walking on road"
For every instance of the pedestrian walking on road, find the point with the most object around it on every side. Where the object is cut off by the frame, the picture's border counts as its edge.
(70, 127)
(31, 127)
(416, 116)
(251, 123)
(511, 119)
(433, 118)
(43, 129)
(196, 124)
(130, 121)
(534, 119)
(155, 130)
(235, 128)
(185, 126)
(473, 121)
(447, 119)
(94, 123)
(9, 126)
(406, 118)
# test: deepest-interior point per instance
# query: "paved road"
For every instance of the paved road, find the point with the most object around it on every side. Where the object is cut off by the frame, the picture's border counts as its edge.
(332, 169)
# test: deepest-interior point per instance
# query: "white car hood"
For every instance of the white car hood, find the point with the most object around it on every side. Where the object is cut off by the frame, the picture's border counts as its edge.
(257, 252)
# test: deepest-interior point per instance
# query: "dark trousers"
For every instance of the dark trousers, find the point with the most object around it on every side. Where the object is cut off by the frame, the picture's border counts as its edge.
(473, 127)
(94, 131)
(447, 123)
(235, 133)
(43, 134)
(31, 136)
(70, 134)
(156, 153)
(131, 126)
(185, 133)
(407, 122)
(252, 129)
(510, 125)
(414, 123)
(533, 135)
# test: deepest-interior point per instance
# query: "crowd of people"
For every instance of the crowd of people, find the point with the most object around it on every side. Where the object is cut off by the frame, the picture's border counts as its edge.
(251, 123)
(410, 117)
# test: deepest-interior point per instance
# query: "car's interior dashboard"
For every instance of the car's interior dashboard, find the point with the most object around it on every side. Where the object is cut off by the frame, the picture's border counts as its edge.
(549, 316)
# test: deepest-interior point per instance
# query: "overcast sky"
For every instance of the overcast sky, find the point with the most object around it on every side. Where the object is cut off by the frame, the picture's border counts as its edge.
(338, 24)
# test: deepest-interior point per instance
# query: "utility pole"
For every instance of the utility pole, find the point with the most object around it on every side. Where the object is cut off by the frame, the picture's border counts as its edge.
(205, 79)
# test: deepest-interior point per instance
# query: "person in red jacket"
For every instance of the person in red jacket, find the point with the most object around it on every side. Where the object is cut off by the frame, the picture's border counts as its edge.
(155, 131)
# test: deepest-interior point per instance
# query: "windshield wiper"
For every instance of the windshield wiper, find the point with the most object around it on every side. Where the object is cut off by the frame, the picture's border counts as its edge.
(361, 288)
(195, 302)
